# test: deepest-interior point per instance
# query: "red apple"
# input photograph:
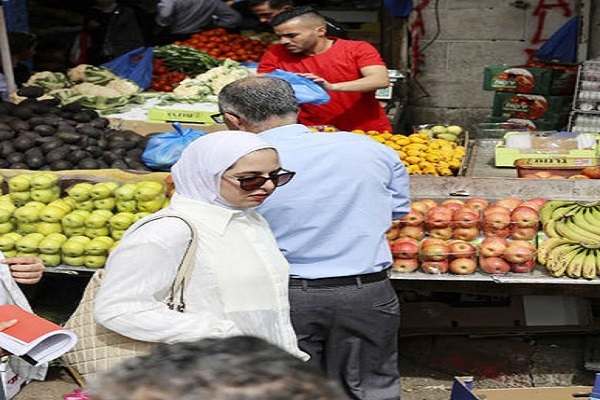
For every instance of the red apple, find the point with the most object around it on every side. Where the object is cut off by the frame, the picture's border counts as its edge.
(500, 232)
(492, 246)
(478, 203)
(453, 206)
(496, 220)
(461, 248)
(429, 202)
(539, 201)
(463, 266)
(413, 218)
(466, 234)
(420, 206)
(518, 253)
(509, 202)
(523, 233)
(405, 249)
(415, 232)
(523, 267)
(431, 240)
(435, 252)
(392, 233)
(460, 202)
(525, 217)
(405, 264)
(439, 216)
(406, 239)
(494, 265)
(466, 217)
(441, 233)
(435, 267)
(494, 208)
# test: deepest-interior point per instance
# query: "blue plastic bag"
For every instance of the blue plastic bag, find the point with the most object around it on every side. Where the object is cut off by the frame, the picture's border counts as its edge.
(163, 150)
(135, 65)
(306, 91)
(562, 45)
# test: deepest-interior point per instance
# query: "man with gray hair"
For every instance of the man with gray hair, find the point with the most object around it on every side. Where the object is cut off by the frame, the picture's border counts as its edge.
(330, 224)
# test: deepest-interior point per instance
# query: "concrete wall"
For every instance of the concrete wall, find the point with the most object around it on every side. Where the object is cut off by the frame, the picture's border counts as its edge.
(473, 34)
(594, 43)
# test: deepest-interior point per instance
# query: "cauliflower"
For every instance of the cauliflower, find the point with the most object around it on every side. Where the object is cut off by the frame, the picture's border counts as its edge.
(90, 89)
(191, 91)
(217, 83)
(90, 73)
(124, 86)
(48, 80)
(220, 76)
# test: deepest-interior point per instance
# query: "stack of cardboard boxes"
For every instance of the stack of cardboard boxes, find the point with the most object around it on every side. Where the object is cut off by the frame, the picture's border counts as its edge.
(540, 94)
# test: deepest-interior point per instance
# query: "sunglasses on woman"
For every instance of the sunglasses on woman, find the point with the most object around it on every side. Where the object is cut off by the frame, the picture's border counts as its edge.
(255, 182)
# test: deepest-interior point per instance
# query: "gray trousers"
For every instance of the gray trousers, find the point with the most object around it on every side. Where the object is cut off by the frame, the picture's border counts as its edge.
(351, 333)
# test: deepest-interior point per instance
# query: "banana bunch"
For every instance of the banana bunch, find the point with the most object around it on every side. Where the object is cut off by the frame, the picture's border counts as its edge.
(562, 256)
(577, 222)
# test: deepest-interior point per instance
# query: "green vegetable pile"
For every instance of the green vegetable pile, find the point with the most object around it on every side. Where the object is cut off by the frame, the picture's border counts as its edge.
(185, 59)
(94, 87)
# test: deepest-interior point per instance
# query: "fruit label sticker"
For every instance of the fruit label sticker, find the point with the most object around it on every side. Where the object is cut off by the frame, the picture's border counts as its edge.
(514, 80)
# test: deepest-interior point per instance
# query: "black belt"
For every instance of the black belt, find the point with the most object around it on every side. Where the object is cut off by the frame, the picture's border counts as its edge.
(341, 280)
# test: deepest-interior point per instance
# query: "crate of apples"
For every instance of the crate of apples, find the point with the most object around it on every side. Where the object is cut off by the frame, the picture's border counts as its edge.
(456, 256)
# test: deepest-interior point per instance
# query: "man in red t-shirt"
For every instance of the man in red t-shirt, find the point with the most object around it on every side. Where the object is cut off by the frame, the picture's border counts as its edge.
(351, 71)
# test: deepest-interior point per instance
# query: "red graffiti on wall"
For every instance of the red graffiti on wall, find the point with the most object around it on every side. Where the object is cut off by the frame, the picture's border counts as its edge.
(417, 30)
(541, 11)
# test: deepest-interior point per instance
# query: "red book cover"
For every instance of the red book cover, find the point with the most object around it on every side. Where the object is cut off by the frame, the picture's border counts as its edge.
(29, 326)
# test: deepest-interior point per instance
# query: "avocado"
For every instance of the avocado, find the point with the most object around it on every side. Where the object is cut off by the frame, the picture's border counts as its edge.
(19, 166)
(58, 154)
(7, 135)
(60, 165)
(45, 130)
(31, 92)
(22, 143)
(15, 158)
(22, 112)
(88, 163)
(68, 137)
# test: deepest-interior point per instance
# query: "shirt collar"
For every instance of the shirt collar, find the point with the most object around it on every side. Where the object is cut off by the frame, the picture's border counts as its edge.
(216, 217)
(289, 130)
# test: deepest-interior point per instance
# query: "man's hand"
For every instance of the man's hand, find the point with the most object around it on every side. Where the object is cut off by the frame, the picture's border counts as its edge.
(25, 270)
(318, 80)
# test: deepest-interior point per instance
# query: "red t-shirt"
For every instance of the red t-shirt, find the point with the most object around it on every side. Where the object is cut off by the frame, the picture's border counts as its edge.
(340, 63)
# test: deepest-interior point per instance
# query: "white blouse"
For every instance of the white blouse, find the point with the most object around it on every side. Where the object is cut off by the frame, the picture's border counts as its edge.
(239, 284)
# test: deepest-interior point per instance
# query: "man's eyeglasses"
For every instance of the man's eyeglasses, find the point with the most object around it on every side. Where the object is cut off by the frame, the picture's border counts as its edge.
(255, 182)
(218, 118)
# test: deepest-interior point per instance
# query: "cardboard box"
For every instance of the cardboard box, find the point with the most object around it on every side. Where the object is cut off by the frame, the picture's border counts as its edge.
(506, 156)
(558, 123)
(561, 166)
(147, 128)
(531, 106)
(532, 80)
(462, 389)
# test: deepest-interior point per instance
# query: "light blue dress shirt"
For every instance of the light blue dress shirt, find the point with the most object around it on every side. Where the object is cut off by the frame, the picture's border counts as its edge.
(318, 230)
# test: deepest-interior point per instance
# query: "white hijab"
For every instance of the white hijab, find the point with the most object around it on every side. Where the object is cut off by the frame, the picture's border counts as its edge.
(198, 172)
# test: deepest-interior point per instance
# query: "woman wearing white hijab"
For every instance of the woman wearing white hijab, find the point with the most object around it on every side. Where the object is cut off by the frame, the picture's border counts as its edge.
(240, 279)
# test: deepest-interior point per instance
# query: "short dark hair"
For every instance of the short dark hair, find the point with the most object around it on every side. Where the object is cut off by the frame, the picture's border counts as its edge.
(295, 12)
(257, 98)
(274, 4)
(241, 367)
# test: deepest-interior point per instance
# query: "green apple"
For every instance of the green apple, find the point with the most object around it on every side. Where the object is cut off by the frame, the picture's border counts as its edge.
(83, 213)
(117, 234)
(36, 204)
(62, 204)
(19, 183)
(20, 198)
(46, 228)
(13, 235)
(87, 205)
(107, 203)
(29, 243)
(125, 192)
(49, 246)
(6, 243)
(96, 221)
(101, 190)
(141, 215)
(76, 261)
(127, 206)
(57, 236)
(9, 253)
(44, 180)
(147, 192)
(52, 213)
(455, 130)
(95, 232)
(152, 206)
(26, 227)
(6, 203)
(26, 214)
(80, 191)
(96, 248)
(107, 240)
(73, 248)
(426, 132)
(103, 213)
(122, 220)
(5, 215)
(73, 220)
(45, 195)
(74, 231)
(50, 260)
(438, 129)
(6, 227)
(69, 201)
(94, 261)
(80, 238)
(27, 254)
(448, 136)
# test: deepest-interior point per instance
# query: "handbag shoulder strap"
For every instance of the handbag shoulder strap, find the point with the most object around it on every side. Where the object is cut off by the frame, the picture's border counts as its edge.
(184, 270)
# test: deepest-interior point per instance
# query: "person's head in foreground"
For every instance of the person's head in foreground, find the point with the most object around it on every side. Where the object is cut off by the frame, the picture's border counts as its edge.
(235, 368)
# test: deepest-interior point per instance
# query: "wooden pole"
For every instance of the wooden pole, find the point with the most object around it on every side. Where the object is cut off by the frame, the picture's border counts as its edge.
(5, 54)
